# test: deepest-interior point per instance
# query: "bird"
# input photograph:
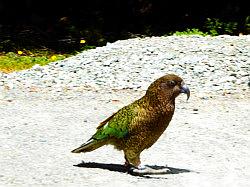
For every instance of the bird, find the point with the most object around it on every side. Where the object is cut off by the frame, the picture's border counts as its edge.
(139, 125)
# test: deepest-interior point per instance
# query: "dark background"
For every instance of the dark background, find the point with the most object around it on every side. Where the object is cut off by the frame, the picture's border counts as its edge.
(60, 25)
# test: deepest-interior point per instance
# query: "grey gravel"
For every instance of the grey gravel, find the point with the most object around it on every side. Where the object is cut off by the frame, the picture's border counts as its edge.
(48, 110)
(220, 64)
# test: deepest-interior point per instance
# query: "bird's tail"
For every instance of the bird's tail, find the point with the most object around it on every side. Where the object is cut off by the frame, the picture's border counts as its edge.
(90, 145)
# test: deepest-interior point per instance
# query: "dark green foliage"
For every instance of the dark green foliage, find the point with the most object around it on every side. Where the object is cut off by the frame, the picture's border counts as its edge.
(61, 25)
(247, 24)
(215, 27)
(189, 32)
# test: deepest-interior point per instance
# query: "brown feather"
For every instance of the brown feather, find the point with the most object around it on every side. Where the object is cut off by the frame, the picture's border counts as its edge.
(154, 112)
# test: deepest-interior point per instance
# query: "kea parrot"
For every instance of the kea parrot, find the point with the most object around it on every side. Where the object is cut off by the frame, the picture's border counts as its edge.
(138, 125)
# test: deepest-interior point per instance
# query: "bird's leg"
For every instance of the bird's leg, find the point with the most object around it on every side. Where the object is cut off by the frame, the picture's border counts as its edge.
(126, 164)
(132, 159)
(135, 168)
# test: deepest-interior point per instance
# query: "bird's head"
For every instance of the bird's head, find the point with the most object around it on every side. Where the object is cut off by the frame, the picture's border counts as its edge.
(168, 87)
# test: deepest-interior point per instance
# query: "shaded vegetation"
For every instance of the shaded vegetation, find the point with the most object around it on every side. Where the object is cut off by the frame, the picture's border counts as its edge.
(47, 30)
(60, 25)
(190, 32)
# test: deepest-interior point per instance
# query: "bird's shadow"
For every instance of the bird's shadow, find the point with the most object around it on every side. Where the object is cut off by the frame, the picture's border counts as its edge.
(124, 169)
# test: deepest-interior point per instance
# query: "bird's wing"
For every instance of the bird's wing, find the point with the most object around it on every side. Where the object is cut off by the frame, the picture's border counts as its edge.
(105, 121)
(116, 125)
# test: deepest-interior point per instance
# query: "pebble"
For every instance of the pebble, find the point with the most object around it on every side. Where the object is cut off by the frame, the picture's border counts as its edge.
(207, 64)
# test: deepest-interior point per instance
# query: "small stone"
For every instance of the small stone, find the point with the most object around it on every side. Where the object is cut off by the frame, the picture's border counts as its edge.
(204, 97)
(37, 67)
(233, 74)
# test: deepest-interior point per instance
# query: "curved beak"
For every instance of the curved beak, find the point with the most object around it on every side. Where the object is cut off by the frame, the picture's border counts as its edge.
(185, 89)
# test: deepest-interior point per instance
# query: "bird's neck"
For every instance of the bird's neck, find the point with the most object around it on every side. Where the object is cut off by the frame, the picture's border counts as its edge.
(162, 103)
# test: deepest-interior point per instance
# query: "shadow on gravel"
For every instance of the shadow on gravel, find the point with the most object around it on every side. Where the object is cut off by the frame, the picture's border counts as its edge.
(124, 169)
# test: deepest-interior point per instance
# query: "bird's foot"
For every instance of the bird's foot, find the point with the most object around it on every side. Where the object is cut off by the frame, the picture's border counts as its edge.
(147, 170)
(126, 164)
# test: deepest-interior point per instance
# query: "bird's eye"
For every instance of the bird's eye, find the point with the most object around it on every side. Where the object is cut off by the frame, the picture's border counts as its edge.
(172, 83)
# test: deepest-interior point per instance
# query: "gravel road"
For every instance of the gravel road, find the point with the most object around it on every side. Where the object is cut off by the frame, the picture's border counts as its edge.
(207, 143)
(44, 116)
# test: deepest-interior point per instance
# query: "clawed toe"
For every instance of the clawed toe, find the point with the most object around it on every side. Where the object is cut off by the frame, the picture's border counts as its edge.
(146, 170)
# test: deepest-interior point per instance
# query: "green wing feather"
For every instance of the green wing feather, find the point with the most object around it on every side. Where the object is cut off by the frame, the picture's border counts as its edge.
(116, 125)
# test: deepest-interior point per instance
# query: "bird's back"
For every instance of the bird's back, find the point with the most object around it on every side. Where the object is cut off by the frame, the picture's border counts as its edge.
(146, 126)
